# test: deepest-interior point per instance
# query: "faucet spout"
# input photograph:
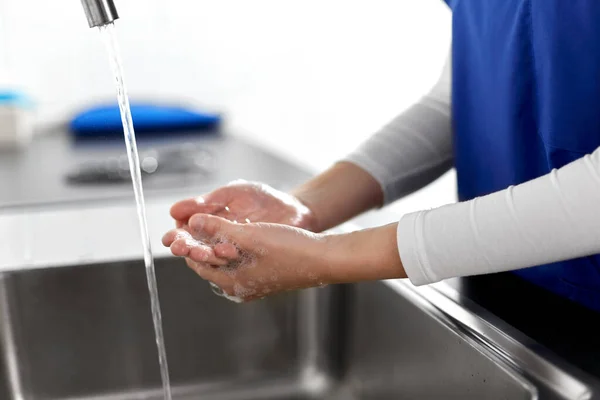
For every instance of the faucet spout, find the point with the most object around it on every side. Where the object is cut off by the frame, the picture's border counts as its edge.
(99, 12)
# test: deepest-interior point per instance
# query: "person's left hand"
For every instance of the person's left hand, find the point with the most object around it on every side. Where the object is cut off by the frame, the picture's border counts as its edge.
(247, 202)
(250, 261)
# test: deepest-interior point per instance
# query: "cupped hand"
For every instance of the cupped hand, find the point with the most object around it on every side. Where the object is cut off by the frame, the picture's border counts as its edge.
(253, 260)
(243, 201)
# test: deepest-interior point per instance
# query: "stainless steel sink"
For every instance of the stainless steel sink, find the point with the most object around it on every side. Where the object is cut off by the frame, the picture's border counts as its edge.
(85, 332)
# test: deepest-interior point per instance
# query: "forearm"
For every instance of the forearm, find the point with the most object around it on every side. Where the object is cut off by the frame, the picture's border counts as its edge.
(339, 194)
(411, 151)
(415, 148)
(548, 219)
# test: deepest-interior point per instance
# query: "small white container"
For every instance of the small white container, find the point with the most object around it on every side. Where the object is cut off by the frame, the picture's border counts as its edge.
(16, 120)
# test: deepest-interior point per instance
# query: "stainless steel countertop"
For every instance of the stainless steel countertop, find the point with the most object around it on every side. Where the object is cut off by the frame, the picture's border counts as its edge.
(36, 175)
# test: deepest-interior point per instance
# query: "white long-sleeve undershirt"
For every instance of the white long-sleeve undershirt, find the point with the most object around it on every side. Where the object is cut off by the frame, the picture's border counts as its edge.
(552, 218)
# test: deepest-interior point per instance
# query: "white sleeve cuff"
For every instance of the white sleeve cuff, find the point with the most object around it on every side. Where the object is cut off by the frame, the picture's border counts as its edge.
(409, 236)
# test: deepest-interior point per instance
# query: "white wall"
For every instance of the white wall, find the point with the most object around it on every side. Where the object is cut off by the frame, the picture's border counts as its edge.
(308, 78)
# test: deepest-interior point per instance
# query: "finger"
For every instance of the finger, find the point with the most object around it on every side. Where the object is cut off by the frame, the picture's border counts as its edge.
(184, 209)
(206, 255)
(180, 248)
(215, 227)
(226, 250)
(182, 244)
(177, 234)
(169, 237)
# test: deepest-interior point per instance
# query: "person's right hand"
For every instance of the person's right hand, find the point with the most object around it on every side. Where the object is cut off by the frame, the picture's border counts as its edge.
(253, 260)
(243, 201)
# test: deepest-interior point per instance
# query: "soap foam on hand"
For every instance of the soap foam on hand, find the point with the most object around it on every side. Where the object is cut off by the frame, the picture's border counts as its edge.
(219, 292)
(244, 261)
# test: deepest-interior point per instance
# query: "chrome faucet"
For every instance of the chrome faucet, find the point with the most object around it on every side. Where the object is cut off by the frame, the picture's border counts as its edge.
(99, 12)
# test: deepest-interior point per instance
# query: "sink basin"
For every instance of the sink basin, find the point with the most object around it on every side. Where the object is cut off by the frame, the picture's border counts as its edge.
(85, 332)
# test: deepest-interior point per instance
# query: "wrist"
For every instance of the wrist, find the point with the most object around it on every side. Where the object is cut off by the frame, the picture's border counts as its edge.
(338, 194)
(310, 220)
(365, 255)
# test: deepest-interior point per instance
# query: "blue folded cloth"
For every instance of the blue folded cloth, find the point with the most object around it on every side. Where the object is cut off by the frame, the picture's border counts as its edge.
(147, 118)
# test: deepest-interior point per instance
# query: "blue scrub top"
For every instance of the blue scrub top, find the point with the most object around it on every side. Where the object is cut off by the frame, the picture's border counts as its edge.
(526, 100)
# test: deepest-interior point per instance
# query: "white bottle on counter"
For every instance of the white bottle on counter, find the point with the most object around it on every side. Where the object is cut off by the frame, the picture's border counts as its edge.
(16, 119)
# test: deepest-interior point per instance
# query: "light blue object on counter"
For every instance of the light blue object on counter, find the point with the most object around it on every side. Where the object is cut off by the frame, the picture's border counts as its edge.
(15, 98)
(147, 118)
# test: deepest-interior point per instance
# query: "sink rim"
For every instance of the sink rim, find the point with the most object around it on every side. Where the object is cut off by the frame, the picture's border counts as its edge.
(429, 305)
(522, 355)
